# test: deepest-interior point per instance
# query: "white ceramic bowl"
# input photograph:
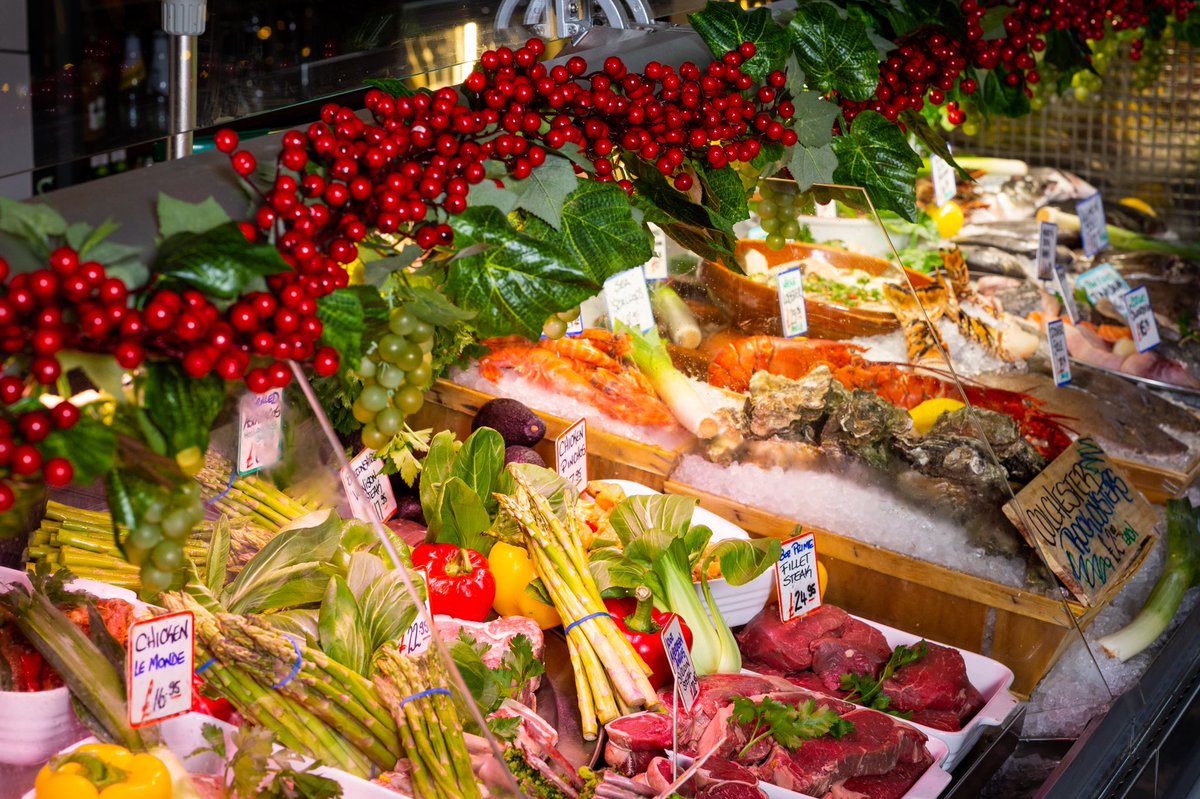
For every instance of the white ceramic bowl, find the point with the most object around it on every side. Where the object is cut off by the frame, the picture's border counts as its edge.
(738, 604)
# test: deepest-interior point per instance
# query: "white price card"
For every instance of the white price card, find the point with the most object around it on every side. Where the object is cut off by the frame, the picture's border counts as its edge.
(945, 183)
(365, 469)
(1060, 357)
(793, 316)
(1047, 249)
(260, 431)
(658, 267)
(160, 660)
(418, 636)
(1066, 292)
(1104, 282)
(575, 327)
(628, 300)
(1142, 323)
(682, 667)
(796, 580)
(571, 453)
(1093, 229)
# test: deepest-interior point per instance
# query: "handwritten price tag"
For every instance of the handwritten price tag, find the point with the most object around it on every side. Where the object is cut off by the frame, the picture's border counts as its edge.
(1142, 323)
(796, 581)
(658, 267)
(1047, 249)
(160, 660)
(1104, 283)
(570, 454)
(681, 664)
(793, 315)
(365, 469)
(1060, 358)
(945, 184)
(260, 433)
(628, 300)
(1092, 227)
(418, 637)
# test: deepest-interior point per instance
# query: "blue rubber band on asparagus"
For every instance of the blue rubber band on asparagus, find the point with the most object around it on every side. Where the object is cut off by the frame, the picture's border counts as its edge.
(295, 669)
(577, 622)
(206, 666)
(228, 488)
(423, 694)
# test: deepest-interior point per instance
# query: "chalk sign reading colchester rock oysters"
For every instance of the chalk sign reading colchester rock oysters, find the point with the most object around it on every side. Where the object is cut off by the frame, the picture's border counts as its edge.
(1088, 520)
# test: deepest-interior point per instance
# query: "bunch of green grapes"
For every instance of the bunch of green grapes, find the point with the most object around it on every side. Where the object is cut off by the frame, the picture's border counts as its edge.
(1148, 68)
(556, 324)
(1047, 85)
(396, 372)
(777, 213)
(155, 544)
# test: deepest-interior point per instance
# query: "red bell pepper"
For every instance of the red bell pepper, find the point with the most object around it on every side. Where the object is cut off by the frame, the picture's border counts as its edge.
(31, 671)
(219, 709)
(643, 626)
(459, 580)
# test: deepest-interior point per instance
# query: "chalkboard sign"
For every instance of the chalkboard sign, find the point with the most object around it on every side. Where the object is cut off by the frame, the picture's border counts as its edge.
(1086, 519)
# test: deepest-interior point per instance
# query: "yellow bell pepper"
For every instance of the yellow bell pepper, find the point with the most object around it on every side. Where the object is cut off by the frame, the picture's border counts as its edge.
(513, 570)
(103, 771)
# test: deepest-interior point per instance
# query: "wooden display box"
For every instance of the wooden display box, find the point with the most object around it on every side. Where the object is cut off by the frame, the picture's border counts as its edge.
(1025, 631)
(1157, 484)
(452, 407)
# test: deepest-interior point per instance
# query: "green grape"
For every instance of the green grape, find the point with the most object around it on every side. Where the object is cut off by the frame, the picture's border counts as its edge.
(767, 209)
(420, 375)
(772, 225)
(143, 538)
(422, 332)
(390, 347)
(401, 322)
(390, 377)
(361, 414)
(554, 328)
(155, 510)
(571, 315)
(776, 241)
(409, 400)
(388, 421)
(373, 438)
(366, 368)
(167, 555)
(374, 398)
(195, 512)
(790, 230)
(426, 346)
(191, 490)
(411, 358)
(176, 524)
(154, 580)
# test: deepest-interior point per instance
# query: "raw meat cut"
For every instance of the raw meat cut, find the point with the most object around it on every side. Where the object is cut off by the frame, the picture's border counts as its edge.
(854, 648)
(892, 785)
(715, 692)
(786, 646)
(936, 682)
(635, 740)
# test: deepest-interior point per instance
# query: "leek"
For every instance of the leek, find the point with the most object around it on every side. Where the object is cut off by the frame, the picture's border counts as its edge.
(1181, 572)
(1120, 238)
(673, 312)
(649, 355)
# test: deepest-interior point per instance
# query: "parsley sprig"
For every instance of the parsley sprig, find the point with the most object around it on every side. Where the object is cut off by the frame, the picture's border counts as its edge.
(789, 725)
(869, 693)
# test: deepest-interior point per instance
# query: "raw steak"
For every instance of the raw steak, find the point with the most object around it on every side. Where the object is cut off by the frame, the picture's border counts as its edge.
(635, 740)
(720, 780)
(877, 745)
(736, 735)
(854, 648)
(715, 692)
(936, 682)
(786, 646)
(892, 785)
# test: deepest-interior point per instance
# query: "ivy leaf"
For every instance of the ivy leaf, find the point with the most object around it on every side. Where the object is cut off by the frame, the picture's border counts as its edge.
(392, 86)
(341, 315)
(89, 445)
(543, 193)
(696, 228)
(835, 53)
(723, 192)
(179, 216)
(219, 262)
(512, 280)
(1000, 98)
(876, 156)
(810, 165)
(814, 119)
(599, 230)
(379, 271)
(723, 26)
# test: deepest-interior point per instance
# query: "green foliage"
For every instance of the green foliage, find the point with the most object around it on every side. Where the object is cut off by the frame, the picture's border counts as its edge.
(723, 26)
(695, 227)
(219, 261)
(1000, 98)
(90, 445)
(789, 725)
(182, 408)
(543, 193)
(491, 686)
(834, 51)
(868, 692)
(179, 216)
(876, 156)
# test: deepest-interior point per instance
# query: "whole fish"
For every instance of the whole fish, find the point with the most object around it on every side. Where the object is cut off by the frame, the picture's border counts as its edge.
(1014, 236)
(1123, 216)
(994, 261)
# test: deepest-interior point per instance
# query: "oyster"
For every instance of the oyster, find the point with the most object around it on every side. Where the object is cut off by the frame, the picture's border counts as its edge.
(863, 425)
(1003, 434)
(781, 406)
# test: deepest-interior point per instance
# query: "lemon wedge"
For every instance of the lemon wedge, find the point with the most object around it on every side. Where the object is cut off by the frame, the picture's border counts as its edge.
(948, 218)
(925, 414)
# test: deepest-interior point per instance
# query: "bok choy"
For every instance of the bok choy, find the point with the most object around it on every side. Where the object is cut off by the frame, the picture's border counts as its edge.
(660, 548)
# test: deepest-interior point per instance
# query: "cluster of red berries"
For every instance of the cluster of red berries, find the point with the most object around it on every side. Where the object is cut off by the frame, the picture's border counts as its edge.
(665, 116)
(19, 436)
(929, 62)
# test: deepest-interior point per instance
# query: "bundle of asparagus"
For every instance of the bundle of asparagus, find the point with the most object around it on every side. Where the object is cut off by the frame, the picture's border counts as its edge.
(431, 734)
(250, 496)
(610, 677)
(313, 704)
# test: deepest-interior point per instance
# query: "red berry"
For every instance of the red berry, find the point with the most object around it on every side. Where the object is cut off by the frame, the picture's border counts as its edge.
(11, 389)
(26, 460)
(4, 270)
(7, 497)
(34, 426)
(230, 367)
(279, 374)
(226, 140)
(258, 381)
(129, 355)
(58, 472)
(197, 363)
(683, 181)
(7, 447)
(244, 163)
(64, 260)
(46, 370)
(65, 415)
(326, 361)
(47, 342)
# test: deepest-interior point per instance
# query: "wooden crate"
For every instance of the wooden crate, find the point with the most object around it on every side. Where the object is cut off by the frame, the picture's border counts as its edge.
(1157, 484)
(1025, 631)
(452, 407)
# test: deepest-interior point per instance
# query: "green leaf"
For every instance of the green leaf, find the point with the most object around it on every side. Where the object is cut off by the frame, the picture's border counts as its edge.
(77, 234)
(364, 569)
(634, 516)
(464, 518)
(615, 574)
(876, 156)
(543, 193)
(811, 165)
(512, 280)
(599, 230)
(388, 609)
(744, 559)
(89, 445)
(723, 26)
(481, 681)
(835, 54)
(1000, 98)
(340, 628)
(434, 472)
(431, 306)
(34, 222)
(379, 272)
(933, 141)
(219, 262)
(179, 216)
(479, 464)
(993, 23)
(696, 228)
(723, 192)
(301, 623)
(297, 551)
(217, 557)
(392, 86)
(341, 315)
(94, 238)
(814, 119)
(183, 408)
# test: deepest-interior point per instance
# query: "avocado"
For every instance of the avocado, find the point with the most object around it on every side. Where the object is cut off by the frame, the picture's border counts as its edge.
(518, 454)
(515, 423)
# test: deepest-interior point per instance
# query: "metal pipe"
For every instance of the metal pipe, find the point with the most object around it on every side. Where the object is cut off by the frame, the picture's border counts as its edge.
(181, 97)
